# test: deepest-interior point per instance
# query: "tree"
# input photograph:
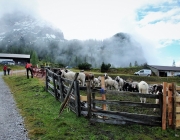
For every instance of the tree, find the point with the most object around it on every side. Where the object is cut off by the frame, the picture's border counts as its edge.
(130, 65)
(34, 58)
(105, 67)
(135, 64)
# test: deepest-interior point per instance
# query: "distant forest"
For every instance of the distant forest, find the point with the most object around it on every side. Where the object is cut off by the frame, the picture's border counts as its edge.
(119, 51)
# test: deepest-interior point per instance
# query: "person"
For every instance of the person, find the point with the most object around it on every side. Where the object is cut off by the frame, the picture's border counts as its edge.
(8, 70)
(4, 69)
(29, 68)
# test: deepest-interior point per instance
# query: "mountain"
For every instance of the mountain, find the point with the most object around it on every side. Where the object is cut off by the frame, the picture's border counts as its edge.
(17, 26)
(22, 34)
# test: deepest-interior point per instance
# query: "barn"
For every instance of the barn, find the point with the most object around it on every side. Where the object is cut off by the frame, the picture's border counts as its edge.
(164, 71)
(17, 58)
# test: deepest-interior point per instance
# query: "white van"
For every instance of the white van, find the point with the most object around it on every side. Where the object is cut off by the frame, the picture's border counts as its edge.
(143, 72)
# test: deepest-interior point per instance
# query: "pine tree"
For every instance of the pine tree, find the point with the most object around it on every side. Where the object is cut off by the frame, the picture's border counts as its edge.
(130, 65)
(34, 58)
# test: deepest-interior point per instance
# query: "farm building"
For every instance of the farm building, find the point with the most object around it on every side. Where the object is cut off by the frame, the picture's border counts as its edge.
(164, 71)
(17, 58)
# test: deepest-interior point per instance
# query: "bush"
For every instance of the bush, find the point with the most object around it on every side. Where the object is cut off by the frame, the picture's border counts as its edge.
(85, 66)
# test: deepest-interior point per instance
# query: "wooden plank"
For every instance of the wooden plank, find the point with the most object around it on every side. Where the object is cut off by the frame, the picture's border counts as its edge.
(177, 116)
(103, 94)
(178, 88)
(170, 106)
(177, 123)
(132, 117)
(177, 99)
(50, 85)
(127, 103)
(77, 98)
(164, 107)
(128, 115)
(132, 94)
(84, 98)
(174, 105)
(89, 98)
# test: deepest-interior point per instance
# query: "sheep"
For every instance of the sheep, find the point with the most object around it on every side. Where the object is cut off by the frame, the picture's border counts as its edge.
(109, 83)
(127, 86)
(106, 76)
(143, 88)
(70, 75)
(134, 86)
(99, 78)
(120, 82)
(96, 82)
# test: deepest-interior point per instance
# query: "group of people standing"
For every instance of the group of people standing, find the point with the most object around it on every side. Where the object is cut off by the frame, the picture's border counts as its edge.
(6, 68)
(28, 67)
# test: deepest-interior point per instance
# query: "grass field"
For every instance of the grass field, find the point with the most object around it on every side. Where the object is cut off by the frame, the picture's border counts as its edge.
(40, 111)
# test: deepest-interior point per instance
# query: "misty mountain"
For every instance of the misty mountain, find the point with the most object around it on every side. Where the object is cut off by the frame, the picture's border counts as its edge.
(20, 33)
(17, 27)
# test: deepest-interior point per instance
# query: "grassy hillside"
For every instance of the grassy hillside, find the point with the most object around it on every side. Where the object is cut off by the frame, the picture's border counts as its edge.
(40, 112)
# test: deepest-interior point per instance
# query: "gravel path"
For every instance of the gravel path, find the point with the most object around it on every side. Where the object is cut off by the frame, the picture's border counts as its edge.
(11, 122)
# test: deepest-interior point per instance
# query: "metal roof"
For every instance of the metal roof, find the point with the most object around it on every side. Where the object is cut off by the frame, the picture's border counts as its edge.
(167, 68)
(14, 55)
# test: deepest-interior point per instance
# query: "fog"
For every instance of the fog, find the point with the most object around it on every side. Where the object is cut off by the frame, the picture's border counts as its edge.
(119, 50)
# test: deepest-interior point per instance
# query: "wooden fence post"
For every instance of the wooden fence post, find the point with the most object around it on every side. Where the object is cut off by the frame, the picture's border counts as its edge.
(103, 94)
(77, 98)
(60, 88)
(164, 107)
(170, 107)
(174, 105)
(89, 99)
(46, 80)
(54, 84)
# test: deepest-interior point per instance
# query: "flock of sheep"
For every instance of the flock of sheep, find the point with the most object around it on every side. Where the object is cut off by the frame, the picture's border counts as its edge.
(116, 84)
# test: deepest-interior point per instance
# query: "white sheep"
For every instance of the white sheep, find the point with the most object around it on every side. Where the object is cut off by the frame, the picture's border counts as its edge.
(96, 82)
(109, 83)
(120, 82)
(106, 76)
(143, 88)
(70, 75)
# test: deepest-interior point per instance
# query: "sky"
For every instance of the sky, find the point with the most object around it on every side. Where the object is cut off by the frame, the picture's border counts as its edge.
(154, 24)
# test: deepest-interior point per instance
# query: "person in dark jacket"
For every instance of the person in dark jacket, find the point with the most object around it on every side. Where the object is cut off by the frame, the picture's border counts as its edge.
(5, 69)
(29, 68)
(8, 70)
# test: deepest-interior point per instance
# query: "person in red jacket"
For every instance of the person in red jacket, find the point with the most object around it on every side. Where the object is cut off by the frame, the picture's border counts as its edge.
(5, 69)
(29, 68)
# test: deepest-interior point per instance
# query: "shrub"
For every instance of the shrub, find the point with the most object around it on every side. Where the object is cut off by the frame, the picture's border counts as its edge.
(85, 66)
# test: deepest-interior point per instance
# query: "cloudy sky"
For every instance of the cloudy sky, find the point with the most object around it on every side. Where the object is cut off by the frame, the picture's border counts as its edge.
(155, 24)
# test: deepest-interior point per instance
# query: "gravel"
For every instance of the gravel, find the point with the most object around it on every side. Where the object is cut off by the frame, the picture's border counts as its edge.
(11, 122)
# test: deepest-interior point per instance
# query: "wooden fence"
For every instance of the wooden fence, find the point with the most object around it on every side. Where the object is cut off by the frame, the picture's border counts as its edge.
(59, 88)
(97, 110)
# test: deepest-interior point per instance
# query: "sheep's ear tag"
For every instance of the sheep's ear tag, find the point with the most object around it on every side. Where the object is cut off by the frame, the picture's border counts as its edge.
(102, 90)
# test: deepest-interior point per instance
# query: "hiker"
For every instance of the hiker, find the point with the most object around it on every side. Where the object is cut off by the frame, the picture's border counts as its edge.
(29, 68)
(4, 69)
(8, 70)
